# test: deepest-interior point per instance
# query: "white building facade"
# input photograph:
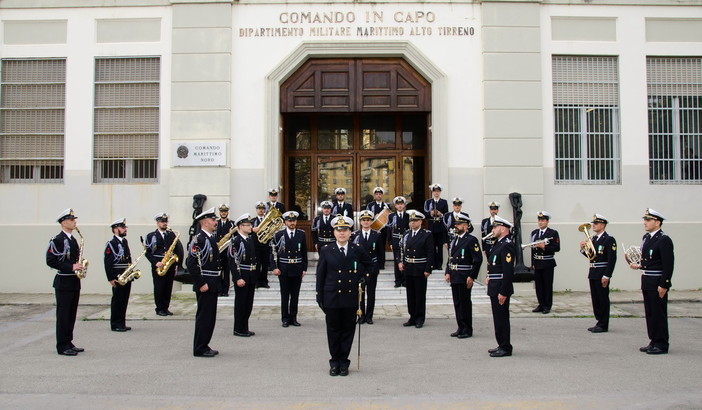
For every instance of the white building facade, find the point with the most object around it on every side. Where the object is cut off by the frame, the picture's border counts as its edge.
(126, 108)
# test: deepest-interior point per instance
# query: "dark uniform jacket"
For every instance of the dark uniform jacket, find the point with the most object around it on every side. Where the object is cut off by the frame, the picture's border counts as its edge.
(464, 259)
(243, 258)
(206, 271)
(338, 276)
(500, 267)
(338, 209)
(605, 257)
(370, 246)
(61, 255)
(441, 205)
(396, 228)
(278, 205)
(657, 258)
(377, 208)
(485, 229)
(450, 220)
(117, 257)
(543, 258)
(418, 252)
(290, 255)
(157, 245)
(323, 232)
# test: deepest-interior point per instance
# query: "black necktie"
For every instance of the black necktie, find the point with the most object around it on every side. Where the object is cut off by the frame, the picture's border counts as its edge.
(342, 251)
(365, 234)
(291, 235)
(594, 238)
(326, 220)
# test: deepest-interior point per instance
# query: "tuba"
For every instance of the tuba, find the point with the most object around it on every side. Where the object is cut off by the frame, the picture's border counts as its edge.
(589, 248)
(169, 258)
(632, 254)
(81, 273)
(271, 223)
(131, 272)
(226, 239)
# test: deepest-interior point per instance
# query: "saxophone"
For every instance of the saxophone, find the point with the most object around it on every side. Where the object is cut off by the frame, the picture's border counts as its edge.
(169, 258)
(81, 273)
(226, 239)
(131, 273)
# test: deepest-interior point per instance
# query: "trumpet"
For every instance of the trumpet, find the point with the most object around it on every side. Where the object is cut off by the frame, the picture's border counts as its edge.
(545, 241)
(488, 236)
(589, 248)
(632, 254)
(131, 273)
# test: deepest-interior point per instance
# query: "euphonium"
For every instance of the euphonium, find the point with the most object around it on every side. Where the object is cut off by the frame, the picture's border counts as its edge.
(81, 273)
(488, 236)
(632, 254)
(589, 247)
(224, 242)
(131, 272)
(271, 223)
(169, 258)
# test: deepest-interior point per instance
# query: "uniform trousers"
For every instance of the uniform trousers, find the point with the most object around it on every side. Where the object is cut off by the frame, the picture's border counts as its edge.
(600, 302)
(243, 304)
(382, 240)
(543, 282)
(416, 298)
(463, 306)
(66, 310)
(118, 305)
(399, 275)
(368, 297)
(226, 274)
(439, 240)
(656, 309)
(500, 319)
(289, 294)
(163, 287)
(262, 255)
(341, 326)
(205, 319)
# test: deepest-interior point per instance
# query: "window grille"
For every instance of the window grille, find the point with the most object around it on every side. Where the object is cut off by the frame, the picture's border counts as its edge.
(126, 120)
(586, 119)
(32, 94)
(674, 119)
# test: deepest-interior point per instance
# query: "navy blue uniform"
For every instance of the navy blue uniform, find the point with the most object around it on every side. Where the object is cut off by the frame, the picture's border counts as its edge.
(204, 266)
(223, 228)
(370, 243)
(344, 209)
(418, 258)
(337, 294)
(156, 246)
(61, 254)
(602, 265)
(437, 228)
(500, 268)
(290, 256)
(397, 226)
(543, 261)
(657, 260)
(322, 231)
(485, 229)
(377, 208)
(117, 259)
(464, 260)
(242, 263)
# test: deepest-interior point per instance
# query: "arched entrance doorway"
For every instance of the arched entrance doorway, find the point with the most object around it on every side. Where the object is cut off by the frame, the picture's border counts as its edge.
(355, 123)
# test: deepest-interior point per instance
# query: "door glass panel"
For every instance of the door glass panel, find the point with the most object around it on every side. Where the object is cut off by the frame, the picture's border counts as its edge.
(298, 132)
(334, 172)
(335, 132)
(378, 132)
(414, 131)
(377, 171)
(299, 177)
(413, 181)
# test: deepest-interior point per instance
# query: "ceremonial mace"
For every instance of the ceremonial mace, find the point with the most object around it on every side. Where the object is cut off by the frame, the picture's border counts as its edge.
(359, 313)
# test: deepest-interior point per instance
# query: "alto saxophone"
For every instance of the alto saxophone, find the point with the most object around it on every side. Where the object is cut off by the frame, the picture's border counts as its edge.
(131, 273)
(169, 258)
(81, 273)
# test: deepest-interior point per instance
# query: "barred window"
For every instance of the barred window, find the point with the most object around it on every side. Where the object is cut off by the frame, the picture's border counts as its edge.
(126, 120)
(586, 116)
(674, 119)
(32, 108)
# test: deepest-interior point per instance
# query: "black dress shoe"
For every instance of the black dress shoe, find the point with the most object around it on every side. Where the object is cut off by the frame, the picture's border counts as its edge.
(493, 350)
(251, 333)
(538, 309)
(546, 311)
(214, 352)
(162, 313)
(644, 349)
(362, 320)
(267, 286)
(369, 321)
(500, 353)
(464, 335)
(656, 350)
(334, 371)
(409, 323)
(344, 371)
(77, 349)
(68, 352)
(598, 329)
(241, 334)
(168, 312)
(209, 353)
(397, 285)
(121, 329)
(295, 323)
(224, 294)
(419, 325)
(455, 334)
(286, 324)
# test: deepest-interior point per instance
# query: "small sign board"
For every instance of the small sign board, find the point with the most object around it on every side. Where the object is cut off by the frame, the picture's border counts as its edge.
(200, 154)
